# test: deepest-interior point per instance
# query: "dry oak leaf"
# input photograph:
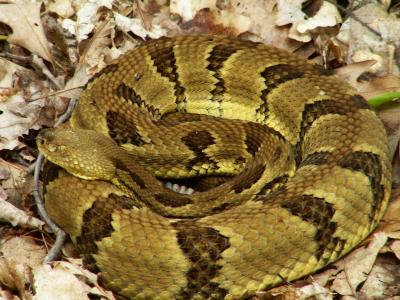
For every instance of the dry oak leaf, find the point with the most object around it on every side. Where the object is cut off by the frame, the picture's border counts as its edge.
(63, 8)
(391, 220)
(17, 118)
(357, 265)
(23, 16)
(7, 71)
(188, 9)
(20, 256)
(13, 277)
(58, 283)
(290, 12)
(351, 72)
(364, 44)
(94, 58)
(15, 216)
(382, 281)
(135, 26)
(390, 116)
(395, 247)
(380, 85)
(86, 18)
(256, 17)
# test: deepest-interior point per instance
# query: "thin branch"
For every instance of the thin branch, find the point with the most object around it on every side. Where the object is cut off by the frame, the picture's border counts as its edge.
(65, 116)
(354, 16)
(39, 62)
(60, 92)
(60, 234)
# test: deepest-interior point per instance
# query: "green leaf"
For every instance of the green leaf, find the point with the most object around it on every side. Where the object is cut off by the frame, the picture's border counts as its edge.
(377, 101)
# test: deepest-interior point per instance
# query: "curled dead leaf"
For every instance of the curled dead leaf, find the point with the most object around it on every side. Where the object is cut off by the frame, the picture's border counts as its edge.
(24, 18)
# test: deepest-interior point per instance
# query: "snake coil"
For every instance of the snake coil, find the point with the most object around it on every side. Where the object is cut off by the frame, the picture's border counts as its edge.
(292, 166)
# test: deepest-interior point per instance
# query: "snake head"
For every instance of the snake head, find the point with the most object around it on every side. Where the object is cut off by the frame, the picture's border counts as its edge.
(83, 153)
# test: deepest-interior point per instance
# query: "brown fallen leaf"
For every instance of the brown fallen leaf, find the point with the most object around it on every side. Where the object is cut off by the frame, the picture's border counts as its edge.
(23, 105)
(63, 8)
(351, 72)
(20, 256)
(285, 292)
(261, 17)
(7, 71)
(390, 115)
(372, 36)
(291, 12)
(85, 19)
(205, 22)
(379, 85)
(21, 266)
(315, 290)
(135, 25)
(357, 265)
(58, 283)
(383, 277)
(23, 16)
(17, 118)
(395, 247)
(93, 55)
(16, 183)
(187, 10)
(10, 213)
(391, 219)
(12, 277)
(23, 250)
(322, 278)
(231, 16)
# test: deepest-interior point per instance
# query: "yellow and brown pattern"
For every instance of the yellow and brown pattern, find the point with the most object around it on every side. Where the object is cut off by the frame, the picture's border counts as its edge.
(298, 167)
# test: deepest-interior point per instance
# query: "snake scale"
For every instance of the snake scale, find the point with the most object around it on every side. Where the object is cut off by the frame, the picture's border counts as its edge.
(292, 166)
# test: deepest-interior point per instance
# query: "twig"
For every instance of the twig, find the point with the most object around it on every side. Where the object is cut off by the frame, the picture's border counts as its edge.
(55, 93)
(36, 62)
(65, 116)
(60, 234)
(39, 62)
(21, 58)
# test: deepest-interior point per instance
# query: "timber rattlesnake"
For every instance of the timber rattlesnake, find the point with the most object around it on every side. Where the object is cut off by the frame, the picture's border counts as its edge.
(302, 161)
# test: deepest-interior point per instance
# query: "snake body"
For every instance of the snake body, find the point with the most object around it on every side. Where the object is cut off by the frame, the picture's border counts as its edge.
(295, 163)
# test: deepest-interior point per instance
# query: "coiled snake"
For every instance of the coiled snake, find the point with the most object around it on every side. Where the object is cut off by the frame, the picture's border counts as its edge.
(293, 168)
